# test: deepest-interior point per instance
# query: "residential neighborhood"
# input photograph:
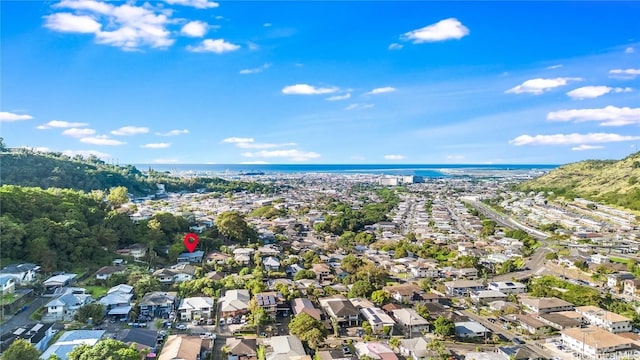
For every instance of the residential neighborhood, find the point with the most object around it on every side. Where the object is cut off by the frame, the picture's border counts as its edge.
(352, 267)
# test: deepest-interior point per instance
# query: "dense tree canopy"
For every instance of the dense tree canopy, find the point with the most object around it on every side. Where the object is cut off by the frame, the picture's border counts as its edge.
(21, 350)
(308, 329)
(234, 227)
(107, 349)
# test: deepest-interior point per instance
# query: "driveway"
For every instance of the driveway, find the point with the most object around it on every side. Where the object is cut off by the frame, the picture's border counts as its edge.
(23, 317)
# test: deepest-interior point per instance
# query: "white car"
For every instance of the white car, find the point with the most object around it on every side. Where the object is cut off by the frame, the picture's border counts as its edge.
(181, 327)
(229, 321)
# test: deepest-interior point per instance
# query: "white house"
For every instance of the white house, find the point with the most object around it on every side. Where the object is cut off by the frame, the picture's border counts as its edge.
(410, 321)
(594, 340)
(607, 320)
(508, 287)
(7, 284)
(471, 329)
(271, 263)
(22, 273)
(378, 319)
(66, 306)
(196, 308)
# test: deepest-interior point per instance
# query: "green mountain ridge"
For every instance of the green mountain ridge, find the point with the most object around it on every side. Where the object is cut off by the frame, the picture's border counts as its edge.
(24, 167)
(612, 182)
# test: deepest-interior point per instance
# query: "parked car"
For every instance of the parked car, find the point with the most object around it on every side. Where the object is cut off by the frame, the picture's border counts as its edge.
(229, 321)
(181, 327)
(209, 321)
(518, 341)
(222, 322)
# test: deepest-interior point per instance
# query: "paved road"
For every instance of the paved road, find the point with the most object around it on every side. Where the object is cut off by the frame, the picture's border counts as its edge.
(23, 318)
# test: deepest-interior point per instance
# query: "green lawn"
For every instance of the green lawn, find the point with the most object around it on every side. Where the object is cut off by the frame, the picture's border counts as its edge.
(97, 291)
(619, 260)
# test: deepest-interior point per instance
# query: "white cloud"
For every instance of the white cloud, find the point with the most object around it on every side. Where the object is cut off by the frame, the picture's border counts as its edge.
(173, 132)
(625, 74)
(590, 92)
(255, 70)
(9, 117)
(584, 147)
(291, 154)
(237, 140)
(394, 157)
(608, 116)
(79, 133)
(629, 50)
(267, 24)
(218, 46)
(130, 131)
(156, 146)
(194, 29)
(126, 26)
(570, 139)
(558, 66)
(539, 86)
(249, 143)
(446, 29)
(339, 97)
(395, 46)
(87, 153)
(199, 4)
(359, 106)
(382, 90)
(252, 46)
(61, 124)
(257, 162)
(66, 22)
(304, 89)
(101, 140)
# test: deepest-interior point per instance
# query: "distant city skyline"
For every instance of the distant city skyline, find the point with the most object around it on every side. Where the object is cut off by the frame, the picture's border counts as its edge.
(202, 82)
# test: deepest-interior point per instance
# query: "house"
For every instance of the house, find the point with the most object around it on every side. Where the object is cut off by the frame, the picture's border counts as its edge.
(105, 272)
(196, 308)
(410, 293)
(304, 305)
(66, 306)
(286, 348)
(273, 303)
(531, 324)
(142, 338)
(340, 310)
(334, 355)
(165, 275)
(462, 287)
(378, 319)
(241, 349)
(424, 271)
(7, 284)
(157, 304)
(607, 320)
(468, 273)
(595, 341)
(121, 288)
(484, 297)
(631, 287)
(115, 299)
(374, 350)
(23, 273)
(471, 329)
(617, 279)
(181, 347)
(546, 305)
(70, 340)
(183, 272)
(562, 320)
(268, 250)
(58, 281)
(414, 348)
(38, 335)
(138, 251)
(508, 287)
(322, 271)
(234, 302)
(190, 257)
(271, 263)
(410, 321)
(217, 258)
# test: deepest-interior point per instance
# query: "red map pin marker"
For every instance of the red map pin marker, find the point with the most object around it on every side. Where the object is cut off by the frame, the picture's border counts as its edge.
(191, 241)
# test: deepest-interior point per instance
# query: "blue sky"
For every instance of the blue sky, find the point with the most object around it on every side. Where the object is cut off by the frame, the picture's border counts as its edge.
(195, 81)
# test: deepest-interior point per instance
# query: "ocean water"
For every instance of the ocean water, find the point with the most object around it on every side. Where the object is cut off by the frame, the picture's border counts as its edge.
(431, 170)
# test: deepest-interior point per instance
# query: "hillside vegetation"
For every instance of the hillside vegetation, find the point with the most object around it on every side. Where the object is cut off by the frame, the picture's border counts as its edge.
(55, 170)
(607, 181)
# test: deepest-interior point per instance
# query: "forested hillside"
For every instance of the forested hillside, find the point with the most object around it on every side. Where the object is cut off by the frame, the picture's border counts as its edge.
(66, 229)
(55, 170)
(607, 181)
